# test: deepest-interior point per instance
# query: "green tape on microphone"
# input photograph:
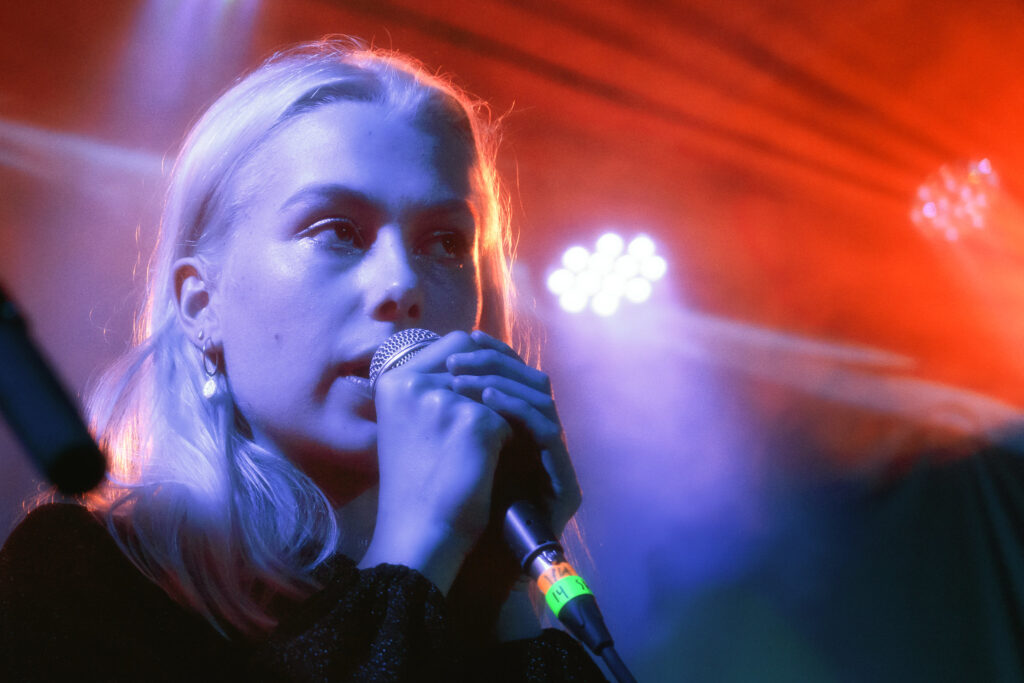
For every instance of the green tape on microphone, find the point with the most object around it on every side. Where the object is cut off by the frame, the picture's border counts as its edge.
(565, 589)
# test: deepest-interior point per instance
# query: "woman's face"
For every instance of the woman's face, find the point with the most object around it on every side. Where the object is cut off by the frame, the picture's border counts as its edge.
(355, 223)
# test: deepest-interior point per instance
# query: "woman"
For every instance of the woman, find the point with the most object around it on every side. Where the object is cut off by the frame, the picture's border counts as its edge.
(295, 527)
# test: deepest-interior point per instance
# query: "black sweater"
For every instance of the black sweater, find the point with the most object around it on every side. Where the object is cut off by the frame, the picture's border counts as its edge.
(73, 606)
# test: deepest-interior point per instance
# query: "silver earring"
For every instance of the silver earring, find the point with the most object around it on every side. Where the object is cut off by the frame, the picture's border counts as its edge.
(210, 387)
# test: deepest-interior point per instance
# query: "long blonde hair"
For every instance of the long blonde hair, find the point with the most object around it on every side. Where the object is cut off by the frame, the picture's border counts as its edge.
(219, 522)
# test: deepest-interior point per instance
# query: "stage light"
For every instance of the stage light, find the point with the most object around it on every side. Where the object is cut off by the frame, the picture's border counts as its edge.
(573, 301)
(638, 290)
(561, 281)
(653, 267)
(610, 244)
(604, 303)
(600, 262)
(955, 200)
(576, 258)
(627, 265)
(603, 278)
(641, 247)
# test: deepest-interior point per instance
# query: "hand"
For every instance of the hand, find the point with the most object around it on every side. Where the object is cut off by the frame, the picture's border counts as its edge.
(497, 377)
(437, 451)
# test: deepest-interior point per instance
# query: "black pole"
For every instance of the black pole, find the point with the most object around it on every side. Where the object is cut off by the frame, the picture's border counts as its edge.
(41, 414)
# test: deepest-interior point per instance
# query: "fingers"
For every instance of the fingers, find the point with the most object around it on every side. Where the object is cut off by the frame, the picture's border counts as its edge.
(487, 371)
(474, 386)
(487, 341)
(547, 433)
(432, 357)
(493, 357)
(544, 430)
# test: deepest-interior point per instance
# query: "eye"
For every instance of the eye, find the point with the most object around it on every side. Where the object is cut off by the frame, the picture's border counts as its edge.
(445, 244)
(337, 233)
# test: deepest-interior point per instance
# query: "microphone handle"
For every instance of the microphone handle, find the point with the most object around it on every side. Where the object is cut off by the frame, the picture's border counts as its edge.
(542, 558)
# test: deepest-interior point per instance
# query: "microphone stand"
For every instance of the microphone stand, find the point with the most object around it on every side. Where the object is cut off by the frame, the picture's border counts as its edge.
(40, 412)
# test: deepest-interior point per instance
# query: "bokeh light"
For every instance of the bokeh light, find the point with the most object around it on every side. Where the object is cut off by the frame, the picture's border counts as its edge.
(955, 200)
(603, 278)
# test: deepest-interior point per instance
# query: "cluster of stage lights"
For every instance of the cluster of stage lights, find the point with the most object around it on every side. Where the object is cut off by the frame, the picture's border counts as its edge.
(603, 278)
(956, 199)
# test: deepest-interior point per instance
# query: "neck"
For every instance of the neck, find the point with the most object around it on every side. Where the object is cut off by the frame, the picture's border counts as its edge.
(357, 519)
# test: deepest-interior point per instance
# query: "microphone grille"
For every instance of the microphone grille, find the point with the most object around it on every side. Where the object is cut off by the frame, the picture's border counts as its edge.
(398, 349)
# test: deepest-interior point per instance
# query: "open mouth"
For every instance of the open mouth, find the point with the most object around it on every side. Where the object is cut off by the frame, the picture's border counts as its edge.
(357, 372)
(359, 369)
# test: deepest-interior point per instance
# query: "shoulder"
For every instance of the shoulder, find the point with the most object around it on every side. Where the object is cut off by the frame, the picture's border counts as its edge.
(62, 557)
(58, 541)
(52, 523)
(66, 587)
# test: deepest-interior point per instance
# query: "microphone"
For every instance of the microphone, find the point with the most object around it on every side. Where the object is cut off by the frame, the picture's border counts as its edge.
(40, 412)
(527, 533)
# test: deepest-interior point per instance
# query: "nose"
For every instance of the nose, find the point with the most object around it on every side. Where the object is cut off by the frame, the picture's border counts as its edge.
(393, 292)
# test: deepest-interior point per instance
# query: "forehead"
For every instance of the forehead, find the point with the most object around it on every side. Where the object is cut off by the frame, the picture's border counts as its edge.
(365, 147)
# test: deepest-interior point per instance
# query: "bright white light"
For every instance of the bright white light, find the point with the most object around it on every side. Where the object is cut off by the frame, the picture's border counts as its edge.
(575, 258)
(653, 268)
(638, 290)
(588, 282)
(600, 262)
(561, 281)
(985, 166)
(602, 278)
(604, 303)
(609, 243)
(627, 266)
(573, 301)
(613, 283)
(929, 210)
(641, 247)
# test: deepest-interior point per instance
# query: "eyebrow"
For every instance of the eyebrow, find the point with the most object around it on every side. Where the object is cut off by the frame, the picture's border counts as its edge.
(326, 192)
(333, 193)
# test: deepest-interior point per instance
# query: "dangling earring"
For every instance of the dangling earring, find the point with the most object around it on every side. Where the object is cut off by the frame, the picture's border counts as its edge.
(210, 387)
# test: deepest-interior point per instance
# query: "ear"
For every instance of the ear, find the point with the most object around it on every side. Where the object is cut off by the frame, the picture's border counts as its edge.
(193, 296)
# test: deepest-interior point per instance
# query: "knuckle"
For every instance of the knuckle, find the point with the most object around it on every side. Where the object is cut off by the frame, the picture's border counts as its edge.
(387, 384)
(460, 340)
(436, 400)
(469, 411)
(408, 382)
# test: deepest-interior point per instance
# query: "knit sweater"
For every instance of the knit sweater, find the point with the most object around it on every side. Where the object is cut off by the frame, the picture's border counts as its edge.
(72, 605)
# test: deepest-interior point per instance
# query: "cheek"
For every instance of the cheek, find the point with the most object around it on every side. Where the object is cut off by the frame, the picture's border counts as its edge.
(263, 318)
(453, 301)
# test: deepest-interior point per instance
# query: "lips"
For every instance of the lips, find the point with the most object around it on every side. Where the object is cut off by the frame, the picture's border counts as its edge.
(355, 372)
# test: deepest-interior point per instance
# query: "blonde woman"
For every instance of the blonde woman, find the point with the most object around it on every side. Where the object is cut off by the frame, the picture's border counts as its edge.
(266, 517)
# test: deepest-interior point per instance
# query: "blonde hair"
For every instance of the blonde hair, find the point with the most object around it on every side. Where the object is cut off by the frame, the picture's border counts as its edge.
(219, 522)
